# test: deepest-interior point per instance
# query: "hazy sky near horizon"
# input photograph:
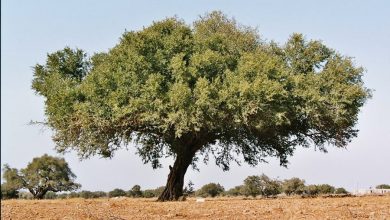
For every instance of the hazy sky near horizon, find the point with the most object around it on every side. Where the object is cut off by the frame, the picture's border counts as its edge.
(31, 29)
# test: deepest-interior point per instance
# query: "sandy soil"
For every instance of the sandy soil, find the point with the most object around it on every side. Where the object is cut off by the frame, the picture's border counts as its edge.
(368, 207)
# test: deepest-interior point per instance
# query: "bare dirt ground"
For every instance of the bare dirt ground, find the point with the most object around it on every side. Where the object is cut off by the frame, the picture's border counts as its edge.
(368, 207)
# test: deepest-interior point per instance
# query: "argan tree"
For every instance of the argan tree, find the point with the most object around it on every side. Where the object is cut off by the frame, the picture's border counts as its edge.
(44, 174)
(188, 91)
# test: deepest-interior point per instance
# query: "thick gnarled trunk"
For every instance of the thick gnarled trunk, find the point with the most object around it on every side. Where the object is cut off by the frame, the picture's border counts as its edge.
(174, 187)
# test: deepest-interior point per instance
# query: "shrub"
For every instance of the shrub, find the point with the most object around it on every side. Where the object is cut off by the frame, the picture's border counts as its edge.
(211, 189)
(86, 194)
(99, 194)
(73, 195)
(341, 191)
(135, 192)
(293, 186)
(268, 186)
(8, 192)
(116, 193)
(149, 193)
(235, 191)
(325, 189)
(311, 190)
(383, 186)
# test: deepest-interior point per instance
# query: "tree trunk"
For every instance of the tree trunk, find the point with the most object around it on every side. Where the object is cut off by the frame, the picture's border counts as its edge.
(174, 187)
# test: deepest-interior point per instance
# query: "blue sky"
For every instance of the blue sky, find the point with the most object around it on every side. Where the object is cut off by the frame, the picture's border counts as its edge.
(31, 29)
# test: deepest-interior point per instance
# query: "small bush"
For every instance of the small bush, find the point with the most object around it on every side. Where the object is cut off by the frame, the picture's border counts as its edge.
(8, 192)
(99, 194)
(325, 189)
(383, 186)
(235, 191)
(135, 192)
(311, 190)
(149, 193)
(211, 189)
(73, 195)
(86, 194)
(293, 186)
(116, 193)
(341, 191)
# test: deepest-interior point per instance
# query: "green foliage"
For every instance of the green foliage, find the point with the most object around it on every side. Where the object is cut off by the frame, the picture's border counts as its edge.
(211, 189)
(325, 189)
(73, 195)
(383, 186)
(269, 187)
(341, 191)
(235, 191)
(116, 193)
(251, 186)
(91, 195)
(135, 191)
(44, 174)
(213, 87)
(311, 190)
(260, 185)
(149, 193)
(8, 192)
(293, 186)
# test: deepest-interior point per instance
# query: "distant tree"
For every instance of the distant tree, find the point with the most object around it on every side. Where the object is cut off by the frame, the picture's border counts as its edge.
(214, 87)
(211, 189)
(189, 189)
(325, 189)
(252, 186)
(341, 191)
(116, 193)
(235, 191)
(99, 194)
(8, 191)
(293, 186)
(44, 174)
(135, 191)
(86, 194)
(311, 190)
(73, 195)
(149, 193)
(383, 186)
(269, 187)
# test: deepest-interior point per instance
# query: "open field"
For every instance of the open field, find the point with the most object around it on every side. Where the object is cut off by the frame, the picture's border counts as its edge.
(368, 207)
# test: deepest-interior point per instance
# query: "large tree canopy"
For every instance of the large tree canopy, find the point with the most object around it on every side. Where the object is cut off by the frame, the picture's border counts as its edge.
(210, 88)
